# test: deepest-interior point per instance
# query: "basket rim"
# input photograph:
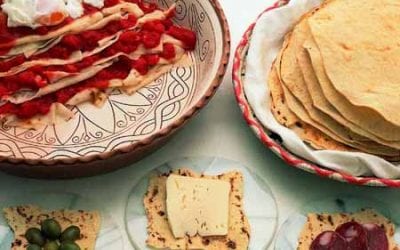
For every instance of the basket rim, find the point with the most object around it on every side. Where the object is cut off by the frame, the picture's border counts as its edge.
(238, 72)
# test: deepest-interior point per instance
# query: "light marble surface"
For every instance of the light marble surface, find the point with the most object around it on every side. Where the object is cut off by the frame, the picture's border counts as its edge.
(218, 130)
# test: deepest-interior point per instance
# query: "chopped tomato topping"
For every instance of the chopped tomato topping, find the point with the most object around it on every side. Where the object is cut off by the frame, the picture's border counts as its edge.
(28, 109)
(6, 40)
(127, 43)
(130, 37)
(64, 95)
(168, 51)
(151, 39)
(8, 64)
(71, 68)
(8, 108)
(59, 52)
(3, 90)
(109, 3)
(87, 61)
(141, 65)
(89, 9)
(34, 107)
(187, 36)
(147, 7)
(29, 78)
(90, 38)
(152, 60)
(128, 22)
(26, 79)
(167, 23)
(72, 42)
(156, 26)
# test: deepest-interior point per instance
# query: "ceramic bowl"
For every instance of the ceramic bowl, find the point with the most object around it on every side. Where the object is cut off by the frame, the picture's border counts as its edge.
(271, 140)
(127, 127)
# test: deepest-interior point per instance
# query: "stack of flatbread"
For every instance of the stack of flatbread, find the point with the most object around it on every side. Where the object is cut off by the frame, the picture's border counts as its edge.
(336, 80)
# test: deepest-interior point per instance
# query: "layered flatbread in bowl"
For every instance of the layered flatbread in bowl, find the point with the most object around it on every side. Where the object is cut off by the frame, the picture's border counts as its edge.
(86, 80)
(47, 65)
(325, 83)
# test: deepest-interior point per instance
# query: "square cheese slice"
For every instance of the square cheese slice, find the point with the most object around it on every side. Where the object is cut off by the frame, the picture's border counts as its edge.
(197, 206)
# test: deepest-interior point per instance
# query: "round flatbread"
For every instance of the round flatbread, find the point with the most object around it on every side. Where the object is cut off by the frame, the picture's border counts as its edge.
(359, 45)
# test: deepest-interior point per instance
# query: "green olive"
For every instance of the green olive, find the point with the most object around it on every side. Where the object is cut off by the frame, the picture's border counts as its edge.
(71, 233)
(51, 229)
(33, 247)
(34, 236)
(69, 246)
(51, 245)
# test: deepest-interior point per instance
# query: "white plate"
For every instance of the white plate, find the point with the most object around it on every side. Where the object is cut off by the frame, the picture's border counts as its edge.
(259, 202)
(287, 238)
(109, 236)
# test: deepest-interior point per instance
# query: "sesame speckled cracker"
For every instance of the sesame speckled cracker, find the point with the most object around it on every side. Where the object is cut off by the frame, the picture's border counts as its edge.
(21, 218)
(160, 235)
(318, 223)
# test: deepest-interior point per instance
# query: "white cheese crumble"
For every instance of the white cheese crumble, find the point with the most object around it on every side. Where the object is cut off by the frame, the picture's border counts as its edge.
(74, 8)
(31, 13)
(95, 3)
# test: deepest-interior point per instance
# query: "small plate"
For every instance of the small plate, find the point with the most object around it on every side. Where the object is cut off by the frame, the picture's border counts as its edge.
(109, 236)
(287, 238)
(259, 202)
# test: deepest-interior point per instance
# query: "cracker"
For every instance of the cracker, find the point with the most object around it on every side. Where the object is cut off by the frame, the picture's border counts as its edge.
(21, 218)
(318, 223)
(159, 234)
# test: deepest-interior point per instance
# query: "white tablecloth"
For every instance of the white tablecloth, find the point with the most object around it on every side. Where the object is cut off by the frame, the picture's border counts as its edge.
(218, 130)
